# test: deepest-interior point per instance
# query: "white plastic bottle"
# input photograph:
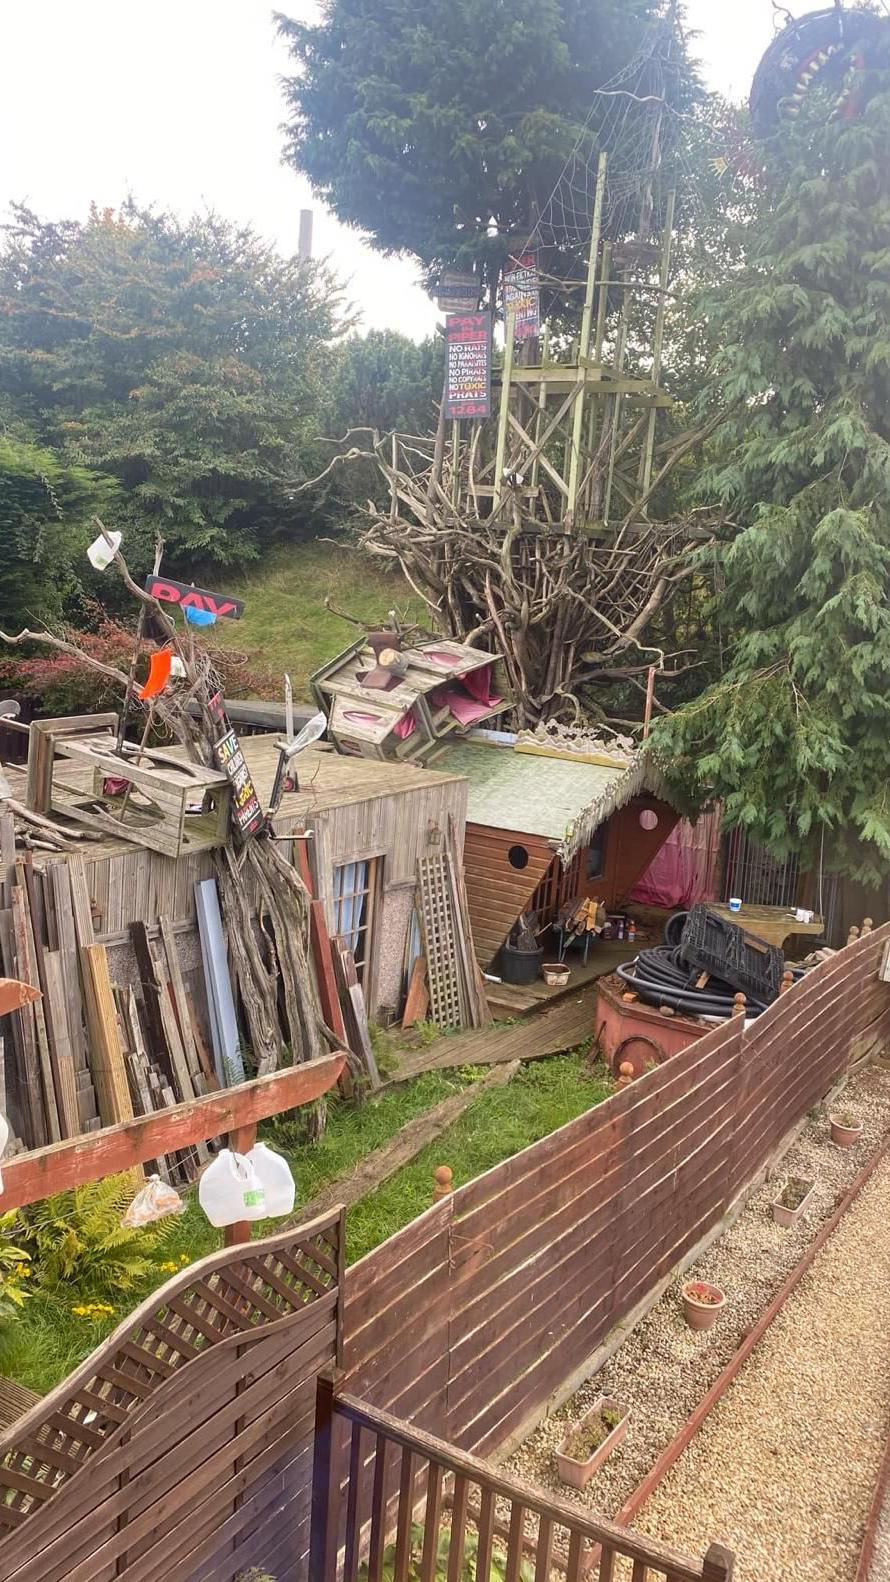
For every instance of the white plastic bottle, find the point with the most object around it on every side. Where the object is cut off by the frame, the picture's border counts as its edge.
(276, 1179)
(230, 1190)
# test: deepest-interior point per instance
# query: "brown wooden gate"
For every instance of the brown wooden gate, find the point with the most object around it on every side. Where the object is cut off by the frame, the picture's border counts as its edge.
(181, 1450)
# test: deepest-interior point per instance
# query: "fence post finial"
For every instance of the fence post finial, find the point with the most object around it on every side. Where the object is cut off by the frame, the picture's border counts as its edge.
(787, 981)
(853, 935)
(739, 1005)
(719, 1564)
(444, 1182)
(867, 926)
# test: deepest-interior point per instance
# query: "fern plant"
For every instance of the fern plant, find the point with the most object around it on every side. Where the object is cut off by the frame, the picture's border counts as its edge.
(78, 1238)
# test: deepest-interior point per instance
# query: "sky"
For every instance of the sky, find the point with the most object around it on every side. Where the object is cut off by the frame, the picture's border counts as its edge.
(178, 102)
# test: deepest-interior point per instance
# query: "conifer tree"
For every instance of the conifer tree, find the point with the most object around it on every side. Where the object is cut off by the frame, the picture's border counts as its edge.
(795, 736)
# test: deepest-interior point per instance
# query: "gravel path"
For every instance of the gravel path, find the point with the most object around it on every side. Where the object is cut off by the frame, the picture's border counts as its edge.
(663, 1369)
(784, 1468)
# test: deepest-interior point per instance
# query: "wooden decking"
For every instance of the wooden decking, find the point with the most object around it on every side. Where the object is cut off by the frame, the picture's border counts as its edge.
(506, 999)
(15, 1401)
(553, 1030)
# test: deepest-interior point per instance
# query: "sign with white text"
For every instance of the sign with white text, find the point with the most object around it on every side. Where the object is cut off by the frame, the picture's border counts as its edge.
(468, 365)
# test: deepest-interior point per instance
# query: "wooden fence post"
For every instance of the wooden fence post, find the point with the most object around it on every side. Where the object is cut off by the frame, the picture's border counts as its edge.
(719, 1564)
(325, 1480)
(241, 1140)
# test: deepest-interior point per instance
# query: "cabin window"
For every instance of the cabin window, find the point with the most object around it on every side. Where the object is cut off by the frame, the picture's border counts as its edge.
(355, 888)
(517, 857)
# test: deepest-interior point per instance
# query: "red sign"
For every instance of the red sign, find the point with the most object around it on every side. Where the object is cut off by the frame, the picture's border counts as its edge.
(189, 597)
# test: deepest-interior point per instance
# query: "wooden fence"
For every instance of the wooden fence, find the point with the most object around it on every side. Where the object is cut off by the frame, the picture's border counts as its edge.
(379, 1482)
(181, 1450)
(469, 1320)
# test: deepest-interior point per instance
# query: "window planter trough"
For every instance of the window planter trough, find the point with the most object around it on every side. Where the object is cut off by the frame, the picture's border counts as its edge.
(577, 1470)
(789, 1205)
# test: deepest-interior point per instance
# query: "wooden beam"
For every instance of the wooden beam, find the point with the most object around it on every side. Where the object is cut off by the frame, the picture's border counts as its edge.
(28, 1177)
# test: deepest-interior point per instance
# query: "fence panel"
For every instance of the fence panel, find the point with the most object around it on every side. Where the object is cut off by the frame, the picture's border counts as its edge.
(469, 1320)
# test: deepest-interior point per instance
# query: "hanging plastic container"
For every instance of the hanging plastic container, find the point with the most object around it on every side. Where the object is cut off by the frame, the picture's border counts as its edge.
(100, 553)
(197, 617)
(230, 1190)
(152, 1202)
(276, 1178)
(4, 1139)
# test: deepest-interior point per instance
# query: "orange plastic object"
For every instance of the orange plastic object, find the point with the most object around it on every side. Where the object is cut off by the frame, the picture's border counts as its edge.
(14, 995)
(159, 674)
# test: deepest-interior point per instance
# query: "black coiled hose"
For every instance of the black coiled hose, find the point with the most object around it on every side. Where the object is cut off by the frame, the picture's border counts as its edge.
(661, 977)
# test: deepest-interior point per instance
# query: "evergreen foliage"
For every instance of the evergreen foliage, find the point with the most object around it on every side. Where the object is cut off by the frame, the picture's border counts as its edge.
(45, 510)
(186, 360)
(795, 736)
(438, 126)
(385, 381)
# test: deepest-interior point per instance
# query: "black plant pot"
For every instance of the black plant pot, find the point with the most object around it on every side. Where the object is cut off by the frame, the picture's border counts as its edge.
(521, 966)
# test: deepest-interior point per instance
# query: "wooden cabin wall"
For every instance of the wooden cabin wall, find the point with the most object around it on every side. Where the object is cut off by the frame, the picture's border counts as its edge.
(496, 891)
(630, 848)
(398, 829)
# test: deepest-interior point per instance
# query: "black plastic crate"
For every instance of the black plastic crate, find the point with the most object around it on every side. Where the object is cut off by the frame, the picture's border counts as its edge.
(749, 964)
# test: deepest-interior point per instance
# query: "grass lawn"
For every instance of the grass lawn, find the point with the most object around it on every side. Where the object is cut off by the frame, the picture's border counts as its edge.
(49, 1340)
(285, 624)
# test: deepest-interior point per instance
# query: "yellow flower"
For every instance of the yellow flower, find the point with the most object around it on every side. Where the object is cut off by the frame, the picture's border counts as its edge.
(170, 1265)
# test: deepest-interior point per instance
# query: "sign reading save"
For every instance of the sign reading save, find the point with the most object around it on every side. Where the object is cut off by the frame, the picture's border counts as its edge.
(189, 597)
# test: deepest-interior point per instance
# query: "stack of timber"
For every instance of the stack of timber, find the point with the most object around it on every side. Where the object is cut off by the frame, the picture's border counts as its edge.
(83, 1051)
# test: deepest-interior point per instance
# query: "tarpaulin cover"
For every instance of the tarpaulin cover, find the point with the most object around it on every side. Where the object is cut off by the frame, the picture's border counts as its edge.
(684, 870)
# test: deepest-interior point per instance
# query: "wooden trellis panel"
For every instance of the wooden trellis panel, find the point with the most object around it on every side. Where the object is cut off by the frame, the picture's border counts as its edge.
(188, 1431)
(448, 1000)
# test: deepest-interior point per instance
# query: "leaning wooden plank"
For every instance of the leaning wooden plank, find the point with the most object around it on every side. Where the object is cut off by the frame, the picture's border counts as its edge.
(31, 1176)
(37, 1062)
(176, 990)
(152, 996)
(80, 901)
(60, 1051)
(41, 1011)
(109, 1071)
(408, 1142)
(60, 883)
(211, 1080)
(418, 1001)
(7, 856)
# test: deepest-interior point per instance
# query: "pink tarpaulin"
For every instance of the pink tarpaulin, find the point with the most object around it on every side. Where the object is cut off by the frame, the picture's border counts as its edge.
(683, 871)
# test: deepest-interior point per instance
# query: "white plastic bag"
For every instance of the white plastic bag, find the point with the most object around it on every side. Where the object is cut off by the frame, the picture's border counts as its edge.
(230, 1190)
(153, 1201)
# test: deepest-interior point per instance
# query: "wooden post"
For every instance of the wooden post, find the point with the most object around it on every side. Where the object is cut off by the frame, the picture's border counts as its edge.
(444, 1176)
(719, 1564)
(325, 1487)
(241, 1139)
(584, 343)
(504, 413)
(658, 343)
(304, 240)
(650, 701)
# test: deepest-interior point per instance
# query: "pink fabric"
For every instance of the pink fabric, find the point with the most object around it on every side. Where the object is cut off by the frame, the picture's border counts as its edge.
(465, 709)
(683, 871)
(478, 684)
(406, 726)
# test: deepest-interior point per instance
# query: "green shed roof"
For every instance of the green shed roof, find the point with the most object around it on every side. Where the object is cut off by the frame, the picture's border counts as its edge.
(536, 794)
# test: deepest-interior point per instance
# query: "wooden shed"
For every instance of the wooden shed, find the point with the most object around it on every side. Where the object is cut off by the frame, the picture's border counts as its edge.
(545, 825)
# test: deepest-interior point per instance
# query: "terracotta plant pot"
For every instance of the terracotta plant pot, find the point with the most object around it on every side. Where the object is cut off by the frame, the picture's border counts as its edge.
(555, 974)
(844, 1136)
(702, 1303)
(785, 1216)
(577, 1473)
